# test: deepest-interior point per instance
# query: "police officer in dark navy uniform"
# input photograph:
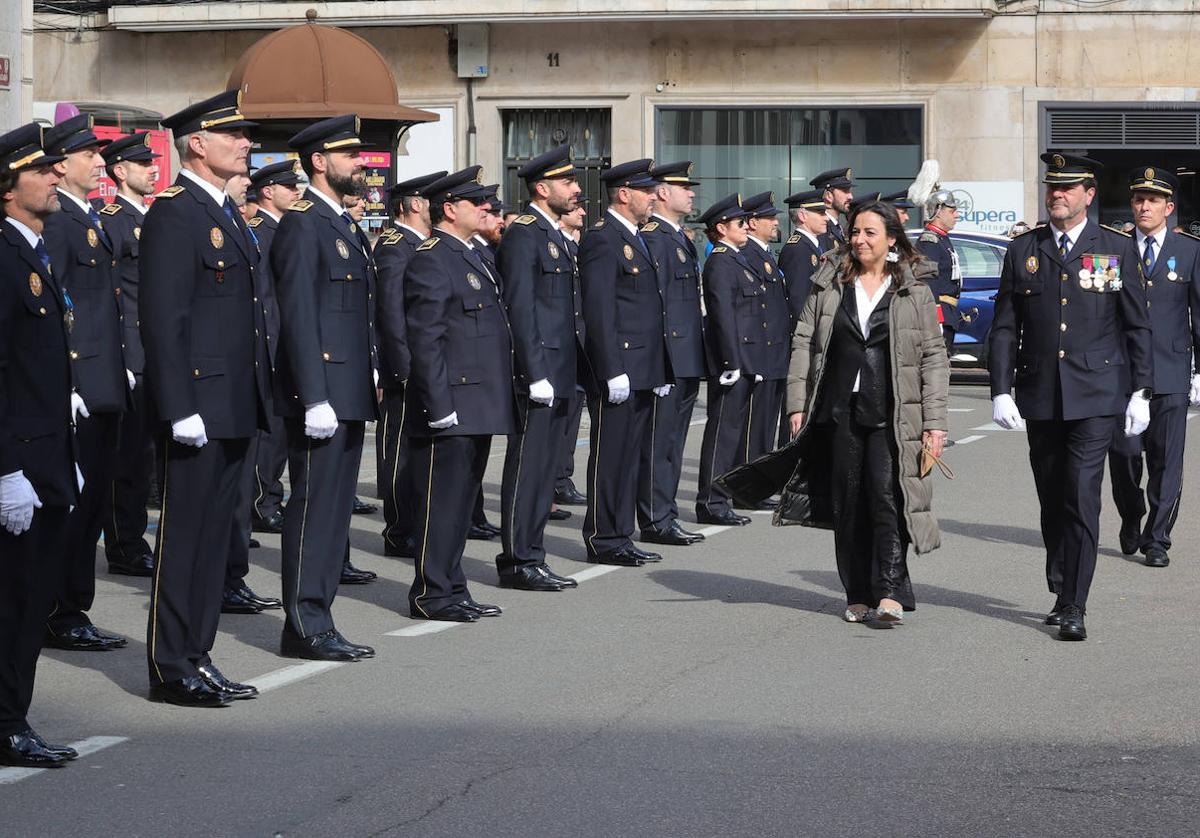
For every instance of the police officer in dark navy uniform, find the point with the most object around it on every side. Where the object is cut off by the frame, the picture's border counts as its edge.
(766, 401)
(207, 371)
(1170, 271)
(733, 297)
(538, 285)
(1071, 335)
(935, 245)
(131, 166)
(661, 463)
(802, 251)
(324, 281)
(37, 462)
(837, 191)
(623, 310)
(460, 392)
(565, 491)
(393, 251)
(83, 259)
(903, 205)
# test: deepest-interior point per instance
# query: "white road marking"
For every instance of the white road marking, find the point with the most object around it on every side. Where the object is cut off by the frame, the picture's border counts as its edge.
(593, 572)
(967, 440)
(86, 747)
(961, 409)
(713, 530)
(292, 674)
(423, 627)
(992, 426)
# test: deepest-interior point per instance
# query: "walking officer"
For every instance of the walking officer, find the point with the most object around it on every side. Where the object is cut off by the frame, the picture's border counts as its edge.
(837, 193)
(131, 165)
(1170, 271)
(460, 391)
(207, 372)
(38, 481)
(623, 311)
(802, 251)
(83, 258)
(934, 244)
(325, 389)
(1070, 320)
(539, 291)
(661, 464)
(393, 251)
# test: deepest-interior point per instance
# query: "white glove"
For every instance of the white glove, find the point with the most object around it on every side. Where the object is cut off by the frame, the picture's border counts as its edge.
(17, 502)
(1137, 415)
(320, 422)
(1005, 413)
(618, 389)
(375, 377)
(78, 478)
(131, 379)
(1194, 395)
(78, 408)
(449, 422)
(663, 391)
(190, 431)
(757, 378)
(542, 392)
(730, 377)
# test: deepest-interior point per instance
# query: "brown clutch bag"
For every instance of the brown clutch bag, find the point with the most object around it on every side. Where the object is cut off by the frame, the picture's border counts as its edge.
(928, 461)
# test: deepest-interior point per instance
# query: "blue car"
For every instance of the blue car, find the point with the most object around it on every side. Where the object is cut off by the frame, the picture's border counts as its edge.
(981, 256)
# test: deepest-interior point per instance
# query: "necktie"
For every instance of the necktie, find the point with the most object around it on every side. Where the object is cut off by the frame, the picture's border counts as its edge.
(1064, 245)
(642, 243)
(1148, 260)
(95, 217)
(43, 254)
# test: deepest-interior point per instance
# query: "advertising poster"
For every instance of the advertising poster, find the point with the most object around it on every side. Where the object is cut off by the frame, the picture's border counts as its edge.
(378, 169)
(160, 142)
(988, 206)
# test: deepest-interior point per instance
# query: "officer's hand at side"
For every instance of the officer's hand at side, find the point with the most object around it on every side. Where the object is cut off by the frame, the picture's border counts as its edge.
(17, 502)
(190, 431)
(320, 422)
(729, 378)
(129, 377)
(1005, 413)
(757, 378)
(1194, 393)
(449, 422)
(796, 423)
(618, 389)
(663, 391)
(1137, 415)
(78, 408)
(542, 392)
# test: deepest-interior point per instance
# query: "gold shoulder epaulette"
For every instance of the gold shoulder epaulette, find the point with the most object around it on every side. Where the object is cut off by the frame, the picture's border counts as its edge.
(111, 209)
(254, 222)
(1030, 230)
(169, 192)
(300, 206)
(394, 237)
(1190, 235)
(720, 249)
(1118, 232)
(429, 243)
(598, 224)
(794, 239)
(525, 219)
(650, 227)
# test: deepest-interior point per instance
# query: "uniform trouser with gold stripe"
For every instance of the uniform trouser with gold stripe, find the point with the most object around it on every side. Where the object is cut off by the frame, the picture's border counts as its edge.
(31, 566)
(200, 489)
(270, 458)
(125, 521)
(762, 419)
(97, 438)
(1163, 443)
(618, 431)
(661, 463)
(447, 472)
(724, 433)
(393, 476)
(531, 463)
(237, 563)
(316, 521)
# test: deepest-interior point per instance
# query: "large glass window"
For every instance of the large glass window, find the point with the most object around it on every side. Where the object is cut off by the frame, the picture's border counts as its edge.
(752, 150)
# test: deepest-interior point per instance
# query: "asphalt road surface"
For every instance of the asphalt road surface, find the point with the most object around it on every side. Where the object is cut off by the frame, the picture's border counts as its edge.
(715, 694)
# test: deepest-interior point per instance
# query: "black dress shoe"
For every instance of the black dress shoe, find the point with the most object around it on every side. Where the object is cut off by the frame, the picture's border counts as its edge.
(1054, 618)
(263, 602)
(406, 549)
(273, 524)
(452, 613)
(570, 497)
(192, 691)
(622, 557)
(361, 507)
(1156, 557)
(359, 649)
(255, 544)
(25, 750)
(237, 692)
(64, 751)
(483, 531)
(352, 575)
(528, 578)
(768, 504)
(324, 646)
(481, 609)
(1071, 627)
(674, 535)
(1130, 537)
(723, 519)
(559, 514)
(232, 602)
(83, 639)
(143, 566)
(565, 581)
(644, 555)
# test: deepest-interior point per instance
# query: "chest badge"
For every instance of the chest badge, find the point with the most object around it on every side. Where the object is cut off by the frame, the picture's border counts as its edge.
(814, 261)
(682, 256)
(35, 284)
(749, 276)
(93, 239)
(767, 267)
(473, 281)
(137, 233)
(342, 250)
(216, 237)
(628, 251)
(1031, 264)
(552, 249)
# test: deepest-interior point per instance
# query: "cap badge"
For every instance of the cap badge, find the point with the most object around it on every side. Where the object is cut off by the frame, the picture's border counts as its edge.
(473, 281)
(849, 174)
(35, 284)
(1031, 264)
(628, 251)
(552, 249)
(342, 250)
(1059, 161)
(92, 238)
(216, 237)
(1149, 174)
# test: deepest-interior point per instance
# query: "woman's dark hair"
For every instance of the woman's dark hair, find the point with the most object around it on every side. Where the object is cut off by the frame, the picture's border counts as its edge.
(850, 268)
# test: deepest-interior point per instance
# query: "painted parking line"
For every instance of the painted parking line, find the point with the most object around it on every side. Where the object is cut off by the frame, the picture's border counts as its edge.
(291, 674)
(86, 747)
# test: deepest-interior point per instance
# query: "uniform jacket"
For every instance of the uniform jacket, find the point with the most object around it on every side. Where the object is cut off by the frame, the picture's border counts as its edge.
(83, 263)
(539, 290)
(798, 260)
(458, 334)
(920, 384)
(1057, 341)
(734, 298)
(325, 285)
(776, 316)
(203, 334)
(679, 277)
(123, 223)
(393, 251)
(937, 247)
(834, 236)
(622, 308)
(35, 374)
(1174, 311)
(264, 227)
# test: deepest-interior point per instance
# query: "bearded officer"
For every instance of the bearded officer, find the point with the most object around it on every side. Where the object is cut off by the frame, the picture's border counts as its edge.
(1072, 336)
(1170, 270)
(935, 245)
(837, 193)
